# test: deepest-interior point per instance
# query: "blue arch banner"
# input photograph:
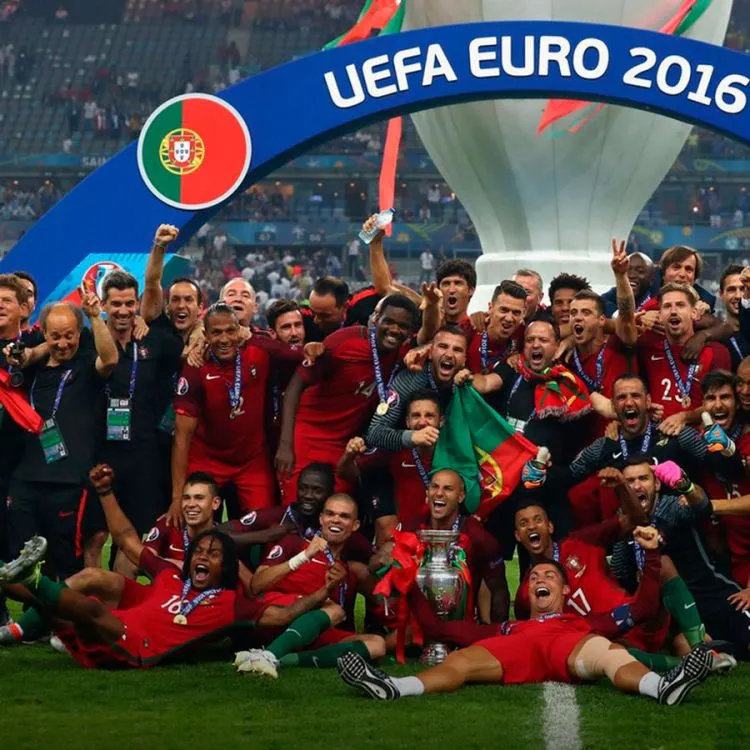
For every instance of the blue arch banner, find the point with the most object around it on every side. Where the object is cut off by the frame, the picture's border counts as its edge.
(296, 106)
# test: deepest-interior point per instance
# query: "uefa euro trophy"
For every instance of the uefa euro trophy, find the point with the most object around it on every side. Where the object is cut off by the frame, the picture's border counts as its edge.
(441, 583)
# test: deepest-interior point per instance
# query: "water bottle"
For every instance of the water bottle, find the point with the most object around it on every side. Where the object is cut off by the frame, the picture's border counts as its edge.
(382, 220)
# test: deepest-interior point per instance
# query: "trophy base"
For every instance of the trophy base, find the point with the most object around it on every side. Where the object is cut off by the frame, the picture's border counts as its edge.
(434, 654)
(492, 268)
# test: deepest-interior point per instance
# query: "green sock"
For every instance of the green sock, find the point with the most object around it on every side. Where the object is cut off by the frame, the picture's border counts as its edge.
(47, 591)
(657, 662)
(302, 632)
(325, 657)
(32, 624)
(680, 604)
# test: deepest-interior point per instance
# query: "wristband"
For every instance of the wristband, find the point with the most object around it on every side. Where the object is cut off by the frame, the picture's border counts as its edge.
(298, 561)
(683, 490)
(108, 491)
(160, 245)
(728, 452)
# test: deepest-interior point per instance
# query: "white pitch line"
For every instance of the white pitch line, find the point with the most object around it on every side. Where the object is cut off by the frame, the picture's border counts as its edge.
(561, 726)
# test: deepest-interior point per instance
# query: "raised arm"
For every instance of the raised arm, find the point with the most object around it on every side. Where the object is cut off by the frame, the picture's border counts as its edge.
(152, 301)
(285, 454)
(106, 349)
(625, 327)
(123, 532)
(184, 428)
(267, 576)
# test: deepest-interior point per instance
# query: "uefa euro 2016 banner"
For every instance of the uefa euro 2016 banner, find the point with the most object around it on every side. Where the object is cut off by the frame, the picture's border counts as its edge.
(197, 151)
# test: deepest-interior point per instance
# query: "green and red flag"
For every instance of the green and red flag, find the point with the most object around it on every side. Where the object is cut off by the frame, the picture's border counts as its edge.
(483, 448)
(194, 151)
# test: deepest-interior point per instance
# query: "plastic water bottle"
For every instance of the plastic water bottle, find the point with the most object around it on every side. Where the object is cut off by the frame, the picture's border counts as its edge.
(382, 220)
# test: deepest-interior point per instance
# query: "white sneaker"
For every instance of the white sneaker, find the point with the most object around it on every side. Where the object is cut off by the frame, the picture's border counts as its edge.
(58, 645)
(258, 661)
(721, 663)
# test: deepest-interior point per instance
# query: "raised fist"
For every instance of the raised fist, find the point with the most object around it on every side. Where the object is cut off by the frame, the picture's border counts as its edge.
(165, 234)
(101, 477)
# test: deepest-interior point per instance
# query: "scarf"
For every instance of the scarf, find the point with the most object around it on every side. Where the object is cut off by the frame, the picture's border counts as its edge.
(558, 392)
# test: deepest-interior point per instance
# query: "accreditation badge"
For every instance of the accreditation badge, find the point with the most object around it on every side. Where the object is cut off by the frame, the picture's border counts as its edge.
(51, 440)
(118, 419)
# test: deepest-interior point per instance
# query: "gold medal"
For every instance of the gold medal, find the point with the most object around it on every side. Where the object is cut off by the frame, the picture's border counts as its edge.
(382, 409)
(686, 401)
(180, 619)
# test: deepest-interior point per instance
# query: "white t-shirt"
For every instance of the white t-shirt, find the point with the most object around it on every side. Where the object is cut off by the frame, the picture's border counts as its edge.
(428, 260)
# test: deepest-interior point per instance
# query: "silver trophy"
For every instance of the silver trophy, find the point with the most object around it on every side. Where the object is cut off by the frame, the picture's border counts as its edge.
(441, 583)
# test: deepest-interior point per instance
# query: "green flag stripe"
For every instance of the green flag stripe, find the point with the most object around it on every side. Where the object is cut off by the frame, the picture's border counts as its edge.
(698, 10)
(165, 182)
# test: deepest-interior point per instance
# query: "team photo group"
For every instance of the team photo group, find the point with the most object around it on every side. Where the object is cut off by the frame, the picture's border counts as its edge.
(257, 482)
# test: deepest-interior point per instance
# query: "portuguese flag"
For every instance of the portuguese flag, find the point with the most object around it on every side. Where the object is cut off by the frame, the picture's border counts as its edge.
(483, 448)
(194, 151)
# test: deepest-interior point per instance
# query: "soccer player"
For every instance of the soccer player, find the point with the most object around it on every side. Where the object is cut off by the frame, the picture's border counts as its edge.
(403, 501)
(296, 566)
(674, 383)
(731, 293)
(457, 280)
(504, 334)
(678, 513)
(185, 609)
(484, 560)
(641, 271)
(720, 402)
(199, 502)
(327, 308)
(550, 646)
(220, 411)
(561, 291)
(327, 404)
(445, 357)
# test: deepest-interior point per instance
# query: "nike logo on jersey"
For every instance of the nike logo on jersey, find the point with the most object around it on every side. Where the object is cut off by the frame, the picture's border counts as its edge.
(688, 606)
(654, 358)
(176, 549)
(405, 465)
(213, 377)
(319, 562)
(616, 455)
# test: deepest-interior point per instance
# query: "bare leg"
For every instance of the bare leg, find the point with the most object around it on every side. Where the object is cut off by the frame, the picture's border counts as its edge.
(105, 585)
(473, 664)
(92, 549)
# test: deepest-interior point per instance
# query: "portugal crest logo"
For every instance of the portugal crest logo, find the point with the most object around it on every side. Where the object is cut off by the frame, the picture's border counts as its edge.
(194, 151)
(182, 151)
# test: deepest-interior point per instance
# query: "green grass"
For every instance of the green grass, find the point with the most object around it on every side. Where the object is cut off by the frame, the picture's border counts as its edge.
(50, 702)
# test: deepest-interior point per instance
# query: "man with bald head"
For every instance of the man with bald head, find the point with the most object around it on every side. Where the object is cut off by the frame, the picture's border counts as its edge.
(47, 492)
(240, 296)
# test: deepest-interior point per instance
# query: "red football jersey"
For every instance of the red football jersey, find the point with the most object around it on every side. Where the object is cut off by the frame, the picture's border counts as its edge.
(614, 362)
(583, 555)
(151, 629)
(497, 351)
(658, 373)
(736, 528)
(342, 392)
(167, 542)
(310, 577)
(232, 437)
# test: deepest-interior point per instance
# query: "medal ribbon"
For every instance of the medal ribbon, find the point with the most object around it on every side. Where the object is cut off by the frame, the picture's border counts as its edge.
(484, 352)
(556, 552)
(512, 393)
(423, 475)
(733, 341)
(683, 388)
(344, 587)
(186, 607)
(594, 385)
(383, 389)
(234, 391)
(185, 542)
(290, 514)
(640, 556)
(58, 396)
(645, 443)
(133, 371)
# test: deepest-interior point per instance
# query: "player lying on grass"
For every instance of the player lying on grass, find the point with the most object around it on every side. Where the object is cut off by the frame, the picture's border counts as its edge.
(294, 568)
(550, 646)
(199, 502)
(583, 555)
(184, 608)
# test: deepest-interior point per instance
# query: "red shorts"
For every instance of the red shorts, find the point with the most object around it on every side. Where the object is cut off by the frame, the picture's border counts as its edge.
(308, 450)
(254, 482)
(133, 594)
(119, 655)
(526, 659)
